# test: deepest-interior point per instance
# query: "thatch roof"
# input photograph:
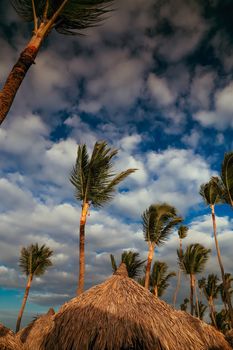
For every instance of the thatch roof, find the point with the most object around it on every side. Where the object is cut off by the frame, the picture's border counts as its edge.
(8, 340)
(32, 336)
(119, 314)
(229, 337)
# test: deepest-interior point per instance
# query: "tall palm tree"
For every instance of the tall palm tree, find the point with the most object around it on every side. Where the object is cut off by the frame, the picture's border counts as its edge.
(95, 184)
(33, 261)
(192, 262)
(212, 195)
(132, 261)
(182, 233)
(228, 281)
(159, 278)
(67, 17)
(159, 220)
(211, 291)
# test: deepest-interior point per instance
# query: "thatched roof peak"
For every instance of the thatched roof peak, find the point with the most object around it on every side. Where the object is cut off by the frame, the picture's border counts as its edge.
(122, 270)
(8, 339)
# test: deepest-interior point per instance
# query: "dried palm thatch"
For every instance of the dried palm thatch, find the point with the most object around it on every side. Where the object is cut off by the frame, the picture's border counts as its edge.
(229, 337)
(119, 314)
(32, 336)
(8, 339)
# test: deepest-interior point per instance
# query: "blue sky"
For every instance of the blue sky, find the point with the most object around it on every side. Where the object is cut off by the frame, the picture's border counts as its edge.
(155, 80)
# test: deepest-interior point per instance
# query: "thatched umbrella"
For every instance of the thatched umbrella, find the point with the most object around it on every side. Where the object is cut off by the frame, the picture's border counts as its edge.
(32, 336)
(8, 339)
(119, 314)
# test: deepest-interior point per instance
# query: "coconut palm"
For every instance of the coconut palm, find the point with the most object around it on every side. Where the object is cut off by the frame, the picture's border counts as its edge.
(227, 177)
(212, 194)
(201, 285)
(228, 281)
(132, 261)
(159, 220)
(67, 17)
(95, 184)
(159, 278)
(200, 310)
(211, 291)
(182, 233)
(184, 305)
(33, 261)
(192, 262)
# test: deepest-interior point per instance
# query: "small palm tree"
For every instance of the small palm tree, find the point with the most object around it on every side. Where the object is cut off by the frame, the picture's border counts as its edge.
(200, 310)
(132, 261)
(201, 285)
(182, 233)
(212, 194)
(192, 262)
(95, 184)
(34, 261)
(184, 305)
(159, 220)
(159, 278)
(211, 291)
(67, 17)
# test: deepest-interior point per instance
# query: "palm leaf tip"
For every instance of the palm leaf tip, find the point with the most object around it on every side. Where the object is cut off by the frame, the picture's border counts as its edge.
(227, 175)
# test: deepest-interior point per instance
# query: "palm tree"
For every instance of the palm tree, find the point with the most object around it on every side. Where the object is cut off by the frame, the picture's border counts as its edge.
(200, 310)
(159, 278)
(133, 263)
(67, 17)
(227, 177)
(184, 305)
(228, 281)
(95, 184)
(191, 263)
(201, 285)
(212, 195)
(159, 220)
(33, 261)
(211, 291)
(182, 233)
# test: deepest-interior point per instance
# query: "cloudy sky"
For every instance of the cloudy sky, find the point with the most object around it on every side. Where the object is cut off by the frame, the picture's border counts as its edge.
(155, 81)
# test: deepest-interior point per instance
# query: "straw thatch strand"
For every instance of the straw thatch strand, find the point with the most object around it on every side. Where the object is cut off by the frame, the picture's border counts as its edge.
(229, 337)
(8, 339)
(119, 314)
(32, 336)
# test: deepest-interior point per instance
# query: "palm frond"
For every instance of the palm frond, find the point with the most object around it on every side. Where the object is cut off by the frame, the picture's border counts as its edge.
(79, 174)
(182, 231)
(211, 191)
(194, 259)
(35, 260)
(113, 263)
(25, 10)
(159, 277)
(227, 175)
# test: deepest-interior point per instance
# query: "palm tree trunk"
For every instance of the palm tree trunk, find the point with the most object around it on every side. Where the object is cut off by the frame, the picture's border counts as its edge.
(178, 280)
(19, 71)
(83, 219)
(156, 291)
(196, 297)
(212, 312)
(228, 297)
(148, 265)
(192, 284)
(27, 289)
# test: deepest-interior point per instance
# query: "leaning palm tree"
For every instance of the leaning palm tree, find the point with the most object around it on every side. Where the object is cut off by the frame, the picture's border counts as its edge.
(159, 278)
(211, 291)
(159, 220)
(132, 261)
(67, 17)
(95, 184)
(192, 262)
(200, 310)
(182, 233)
(34, 261)
(212, 194)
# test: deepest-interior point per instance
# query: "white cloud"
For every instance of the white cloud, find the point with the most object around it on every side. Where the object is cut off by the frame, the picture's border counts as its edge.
(159, 90)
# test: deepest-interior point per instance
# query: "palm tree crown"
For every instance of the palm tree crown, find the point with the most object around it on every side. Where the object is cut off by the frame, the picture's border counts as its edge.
(194, 259)
(67, 16)
(132, 261)
(159, 277)
(93, 178)
(211, 192)
(35, 260)
(158, 222)
(182, 231)
(211, 288)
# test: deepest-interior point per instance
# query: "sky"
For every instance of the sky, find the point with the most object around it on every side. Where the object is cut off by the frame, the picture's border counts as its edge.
(155, 80)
